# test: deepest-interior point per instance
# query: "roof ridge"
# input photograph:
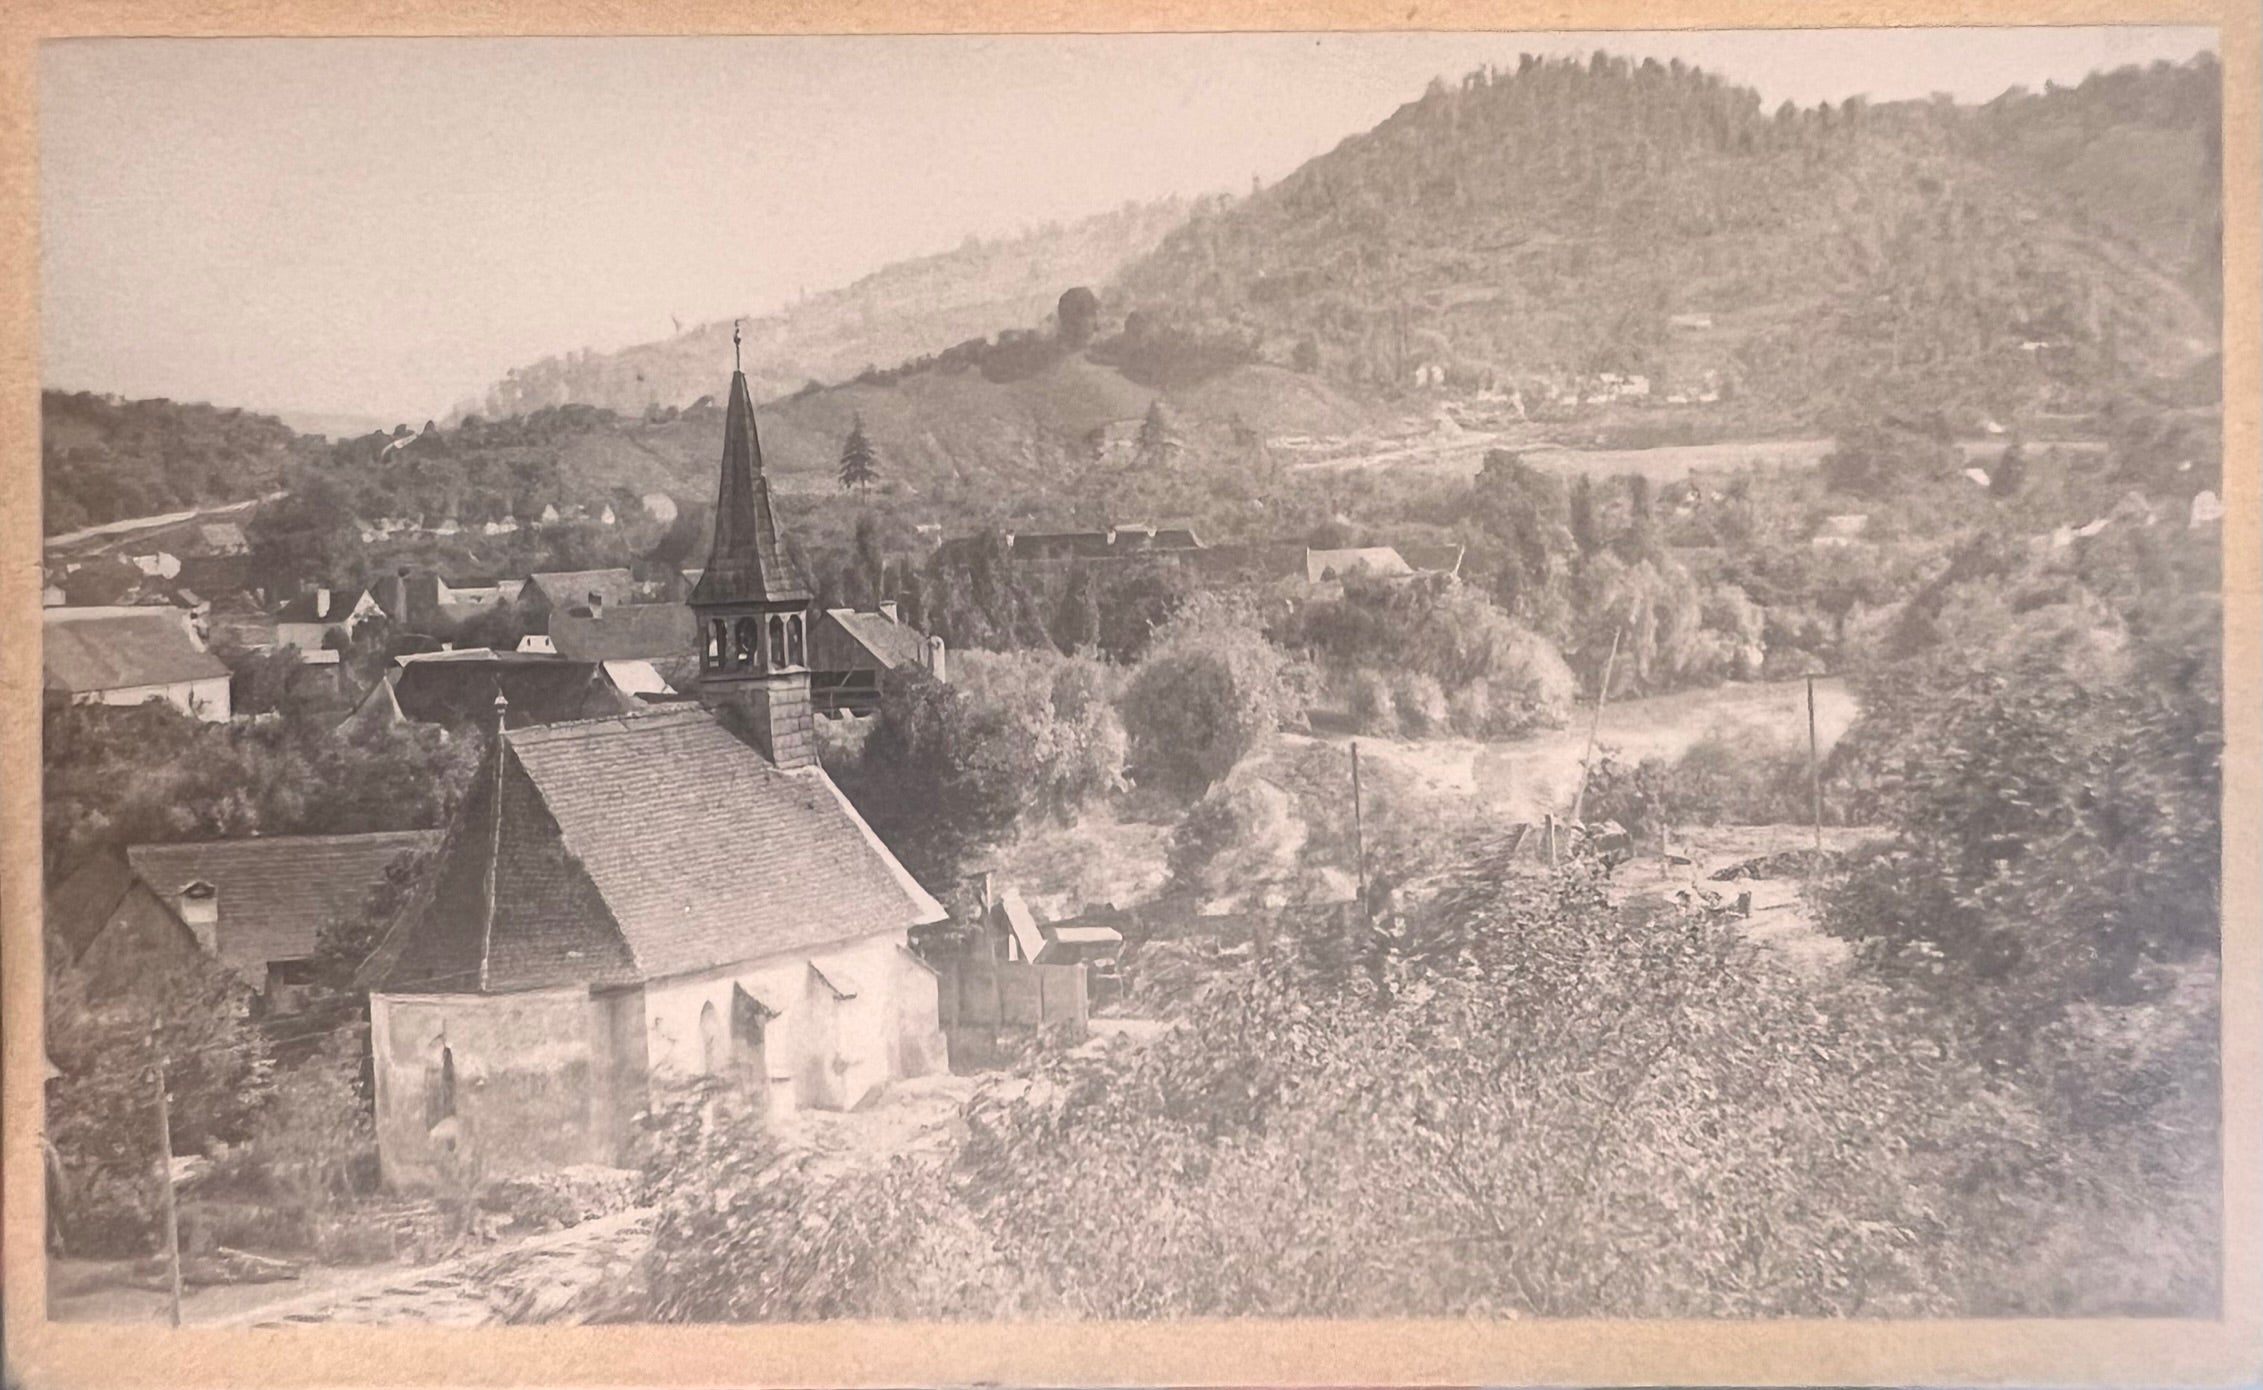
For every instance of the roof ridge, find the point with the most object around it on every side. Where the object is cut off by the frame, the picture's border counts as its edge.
(332, 837)
(537, 733)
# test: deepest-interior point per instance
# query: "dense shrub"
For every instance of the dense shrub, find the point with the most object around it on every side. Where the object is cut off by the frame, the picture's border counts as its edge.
(1519, 1100)
(1210, 692)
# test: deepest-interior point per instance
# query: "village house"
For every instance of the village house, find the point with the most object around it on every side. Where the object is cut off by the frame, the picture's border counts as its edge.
(130, 656)
(258, 906)
(565, 590)
(677, 893)
(851, 650)
(458, 689)
(103, 919)
(320, 613)
(596, 630)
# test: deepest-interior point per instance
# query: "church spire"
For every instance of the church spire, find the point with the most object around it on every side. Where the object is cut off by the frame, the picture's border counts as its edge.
(747, 564)
(752, 606)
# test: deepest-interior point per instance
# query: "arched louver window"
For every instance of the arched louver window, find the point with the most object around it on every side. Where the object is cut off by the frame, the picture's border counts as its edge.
(749, 645)
(778, 642)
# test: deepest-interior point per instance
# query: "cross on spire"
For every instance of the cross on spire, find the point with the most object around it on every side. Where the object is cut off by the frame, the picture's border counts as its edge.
(735, 346)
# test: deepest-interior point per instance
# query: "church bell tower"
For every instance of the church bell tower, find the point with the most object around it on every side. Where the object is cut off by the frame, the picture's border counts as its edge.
(752, 606)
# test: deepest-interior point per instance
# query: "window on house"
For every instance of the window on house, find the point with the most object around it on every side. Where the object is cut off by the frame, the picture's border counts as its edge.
(711, 1056)
(440, 1095)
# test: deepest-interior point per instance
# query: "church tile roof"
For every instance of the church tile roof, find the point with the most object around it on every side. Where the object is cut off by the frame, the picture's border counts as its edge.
(614, 851)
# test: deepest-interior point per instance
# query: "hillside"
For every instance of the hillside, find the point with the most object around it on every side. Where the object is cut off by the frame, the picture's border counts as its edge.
(1573, 218)
(897, 312)
(104, 459)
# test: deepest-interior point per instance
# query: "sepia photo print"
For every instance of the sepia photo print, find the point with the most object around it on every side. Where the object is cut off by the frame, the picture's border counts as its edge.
(1038, 680)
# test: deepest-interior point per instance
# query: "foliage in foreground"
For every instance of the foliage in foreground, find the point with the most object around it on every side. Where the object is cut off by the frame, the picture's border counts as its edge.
(1524, 1102)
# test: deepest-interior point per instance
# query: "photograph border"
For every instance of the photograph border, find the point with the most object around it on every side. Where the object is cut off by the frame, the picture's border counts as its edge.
(41, 1354)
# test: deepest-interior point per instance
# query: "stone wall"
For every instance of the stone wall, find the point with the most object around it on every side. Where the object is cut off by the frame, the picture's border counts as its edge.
(495, 1085)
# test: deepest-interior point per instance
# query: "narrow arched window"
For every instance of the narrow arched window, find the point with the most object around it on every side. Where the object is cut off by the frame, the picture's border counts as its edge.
(716, 640)
(778, 642)
(440, 1101)
(749, 643)
(711, 1058)
(795, 656)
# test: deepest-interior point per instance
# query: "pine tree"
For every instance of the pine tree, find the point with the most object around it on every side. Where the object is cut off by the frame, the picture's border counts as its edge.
(859, 465)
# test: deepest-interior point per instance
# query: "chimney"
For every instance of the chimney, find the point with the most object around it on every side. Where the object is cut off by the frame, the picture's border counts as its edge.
(888, 610)
(596, 604)
(199, 907)
(322, 600)
(935, 665)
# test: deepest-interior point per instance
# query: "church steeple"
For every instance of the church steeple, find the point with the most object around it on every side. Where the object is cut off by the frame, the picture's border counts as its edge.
(747, 563)
(752, 604)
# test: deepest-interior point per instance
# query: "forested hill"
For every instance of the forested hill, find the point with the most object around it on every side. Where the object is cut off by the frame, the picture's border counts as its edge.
(105, 459)
(897, 312)
(1574, 217)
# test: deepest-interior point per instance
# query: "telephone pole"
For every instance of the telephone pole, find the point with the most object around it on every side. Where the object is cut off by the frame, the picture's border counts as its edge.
(1814, 775)
(1594, 727)
(1359, 835)
(165, 1180)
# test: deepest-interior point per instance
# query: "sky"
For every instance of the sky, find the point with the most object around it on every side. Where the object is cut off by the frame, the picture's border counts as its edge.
(382, 227)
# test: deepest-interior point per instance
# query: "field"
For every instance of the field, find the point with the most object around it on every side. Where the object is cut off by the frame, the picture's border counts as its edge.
(1116, 852)
(1522, 779)
(1462, 455)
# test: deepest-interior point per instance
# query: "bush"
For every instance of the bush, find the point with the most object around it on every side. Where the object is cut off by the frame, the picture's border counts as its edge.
(1373, 710)
(1370, 1126)
(1420, 703)
(1469, 708)
(1209, 692)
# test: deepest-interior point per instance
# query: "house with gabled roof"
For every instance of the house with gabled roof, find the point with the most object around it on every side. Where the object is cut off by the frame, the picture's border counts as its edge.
(130, 656)
(562, 591)
(260, 905)
(850, 650)
(670, 893)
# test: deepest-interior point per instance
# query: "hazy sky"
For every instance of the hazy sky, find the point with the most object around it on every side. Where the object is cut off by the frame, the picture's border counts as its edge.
(385, 226)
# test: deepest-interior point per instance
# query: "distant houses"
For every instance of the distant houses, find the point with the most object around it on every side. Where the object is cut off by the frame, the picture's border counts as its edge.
(1280, 562)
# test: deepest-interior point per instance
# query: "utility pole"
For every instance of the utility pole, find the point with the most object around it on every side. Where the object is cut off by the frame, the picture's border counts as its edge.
(165, 1179)
(1359, 835)
(1814, 775)
(1595, 726)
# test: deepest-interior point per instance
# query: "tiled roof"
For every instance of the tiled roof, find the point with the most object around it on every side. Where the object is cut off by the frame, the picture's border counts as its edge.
(1381, 560)
(82, 901)
(541, 689)
(572, 588)
(222, 537)
(122, 649)
(638, 849)
(630, 632)
(747, 563)
(276, 893)
(1432, 559)
(302, 608)
(1265, 560)
(890, 642)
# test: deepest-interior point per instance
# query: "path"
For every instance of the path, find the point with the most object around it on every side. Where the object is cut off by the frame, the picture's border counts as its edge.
(527, 1281)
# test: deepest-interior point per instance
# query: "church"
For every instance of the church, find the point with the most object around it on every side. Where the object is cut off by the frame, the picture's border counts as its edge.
(653, 896)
